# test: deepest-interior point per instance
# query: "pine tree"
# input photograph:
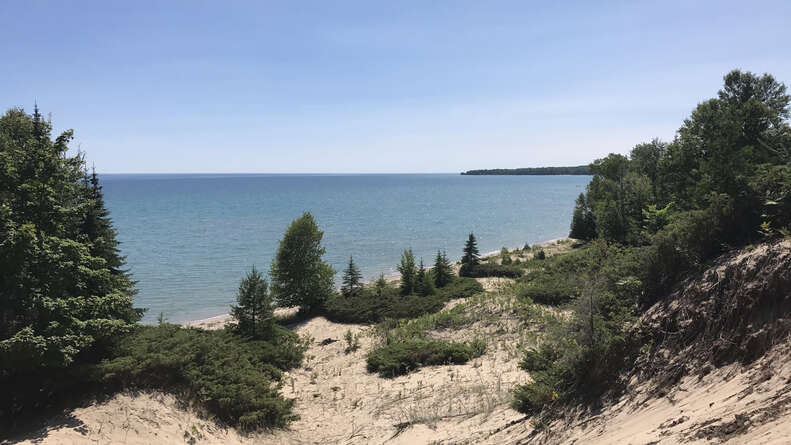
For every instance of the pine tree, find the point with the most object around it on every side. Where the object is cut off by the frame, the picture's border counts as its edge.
(424, 284)
(300, 277)
(352, 280)
(582, 223)
(443, 273)
(63, 294)
(420, 278)
(408, 272)
(254, 312)
(471, 255)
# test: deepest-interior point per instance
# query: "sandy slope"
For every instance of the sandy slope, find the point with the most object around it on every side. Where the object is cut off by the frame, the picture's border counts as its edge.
(339, 402)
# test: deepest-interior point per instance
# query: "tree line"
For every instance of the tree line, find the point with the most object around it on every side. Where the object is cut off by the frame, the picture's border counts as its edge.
(535, 171)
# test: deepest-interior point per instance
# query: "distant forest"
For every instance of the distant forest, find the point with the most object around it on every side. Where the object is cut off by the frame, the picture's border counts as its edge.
(578, 170)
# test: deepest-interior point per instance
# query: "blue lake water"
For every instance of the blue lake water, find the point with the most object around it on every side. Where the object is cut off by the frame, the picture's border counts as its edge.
(189, 239)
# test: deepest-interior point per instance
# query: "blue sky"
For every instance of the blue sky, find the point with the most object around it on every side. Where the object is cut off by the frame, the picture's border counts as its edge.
(375, 86)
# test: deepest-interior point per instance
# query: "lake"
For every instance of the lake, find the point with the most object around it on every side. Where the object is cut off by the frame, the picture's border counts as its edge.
(189, 239)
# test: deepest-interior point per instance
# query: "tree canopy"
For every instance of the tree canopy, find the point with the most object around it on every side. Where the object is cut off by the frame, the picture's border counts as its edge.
(299, 275)
(63, 291)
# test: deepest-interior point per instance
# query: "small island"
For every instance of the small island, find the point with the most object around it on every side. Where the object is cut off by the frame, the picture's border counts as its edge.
(534, 171)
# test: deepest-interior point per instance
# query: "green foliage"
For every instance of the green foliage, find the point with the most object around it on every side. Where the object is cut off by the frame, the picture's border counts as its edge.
(582, 357)
(352, 341)
(541, 255)
(64, 296)
(505, 257)
(555, 280)
(254, 312)
(491, 270)
(471, 255)
(772, 184)
(424, 281)
(352, 279)
(300, 277)
(408, 272)
(461, 287)
(235, 380)
(660, 214)
(577, 170)
(380, 301)
(583, 225)
(443, 272)
(403, 357)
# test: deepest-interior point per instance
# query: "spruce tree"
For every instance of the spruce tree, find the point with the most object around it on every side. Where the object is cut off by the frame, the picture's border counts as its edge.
(424, 283)
(63, 294)
(352, 280)
(419, 279)
(471, 255)
(254, 312)
(300, 277)
(408, 272)
(443, 273)
(582, 223)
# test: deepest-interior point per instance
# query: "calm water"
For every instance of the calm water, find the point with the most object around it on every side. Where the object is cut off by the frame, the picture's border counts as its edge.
(189, 239)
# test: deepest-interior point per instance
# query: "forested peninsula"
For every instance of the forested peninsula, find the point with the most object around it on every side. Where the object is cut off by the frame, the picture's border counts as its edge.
(532, 171)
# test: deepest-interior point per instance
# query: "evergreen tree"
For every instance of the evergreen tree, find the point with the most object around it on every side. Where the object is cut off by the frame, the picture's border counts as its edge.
(421, 274)
(380, 285)
(352, 280)
(582, 223)
(471, 255)
(254, 312)
(443, 273)
(300, 277)
(408, 272)
(63, 294)
(424, 283)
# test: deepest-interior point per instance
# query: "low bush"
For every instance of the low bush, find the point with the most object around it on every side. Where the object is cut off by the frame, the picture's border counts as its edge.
(234, 379)
(484, 270)
(584, 355)
(373, 305)
(461, 287)
(403, 357)
(556, 279)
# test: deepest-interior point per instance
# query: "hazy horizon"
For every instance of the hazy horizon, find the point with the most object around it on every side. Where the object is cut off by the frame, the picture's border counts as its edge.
(416, 87)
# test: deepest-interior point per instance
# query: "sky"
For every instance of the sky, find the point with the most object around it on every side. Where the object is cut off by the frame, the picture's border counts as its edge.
(375, 87)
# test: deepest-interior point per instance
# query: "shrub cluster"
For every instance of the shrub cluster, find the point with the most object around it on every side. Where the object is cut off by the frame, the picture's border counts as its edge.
(234, 379)
(484, 270)
(403, 357)
(555, 280)
(373, 304)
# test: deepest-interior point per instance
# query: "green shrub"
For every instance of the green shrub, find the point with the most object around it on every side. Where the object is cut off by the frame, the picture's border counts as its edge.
(403, 357)
(490, 270)
(556, 279)
(533, 397)
(461, 287)
(541, 255)
(233, 379)
(373, 305)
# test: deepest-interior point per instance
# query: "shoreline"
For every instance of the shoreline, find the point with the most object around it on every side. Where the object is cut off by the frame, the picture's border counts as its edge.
(219, 321)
